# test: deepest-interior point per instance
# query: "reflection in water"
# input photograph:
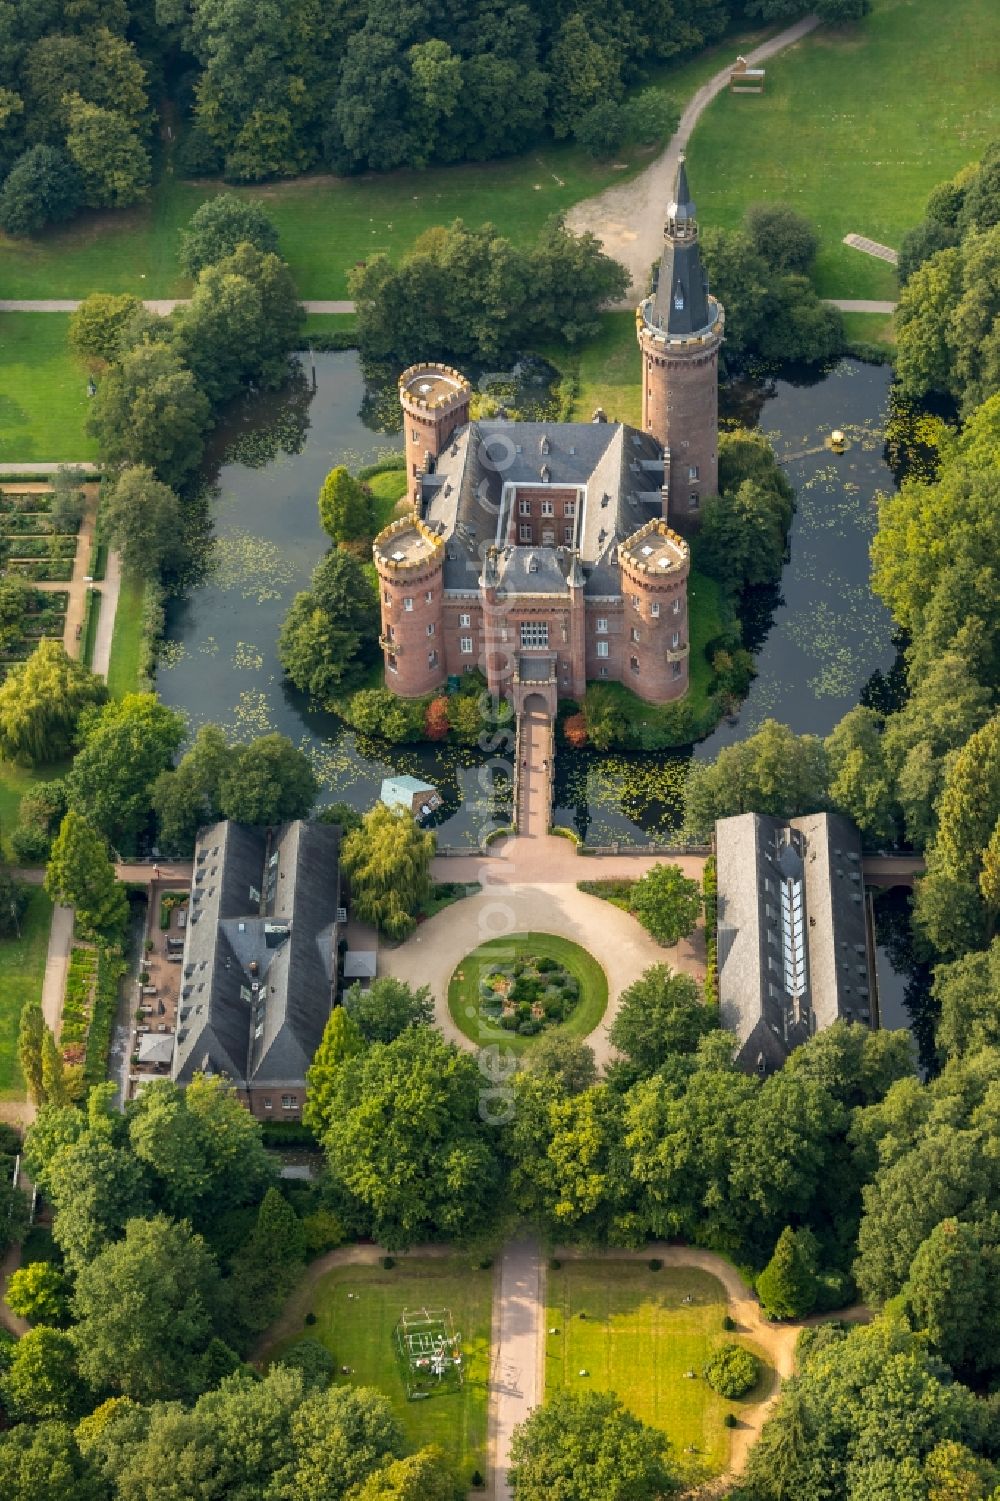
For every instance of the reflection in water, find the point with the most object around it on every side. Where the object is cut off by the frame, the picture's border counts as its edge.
(221, 663)
(904, 983)
(818, 637)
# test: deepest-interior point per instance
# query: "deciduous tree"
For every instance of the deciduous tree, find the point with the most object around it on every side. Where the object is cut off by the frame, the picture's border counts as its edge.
(143, 520)
(81, 874)
(266, 782)
(387, 1008)
(589, 1448)
(659, 1016)
(345, 506)
(125, 747)
(388, 862)
(218, 226)
(41, 701)
(667, 903)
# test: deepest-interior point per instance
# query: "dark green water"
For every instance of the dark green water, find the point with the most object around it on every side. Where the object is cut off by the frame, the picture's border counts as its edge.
(815, 650)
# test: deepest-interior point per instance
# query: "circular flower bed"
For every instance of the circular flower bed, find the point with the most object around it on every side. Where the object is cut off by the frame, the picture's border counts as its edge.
(732, 1371)
(514, 989)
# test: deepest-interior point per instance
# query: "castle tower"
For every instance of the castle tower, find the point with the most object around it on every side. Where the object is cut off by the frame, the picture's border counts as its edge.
(435, 401)
(680, 330)
(409, 561)
(655, 563)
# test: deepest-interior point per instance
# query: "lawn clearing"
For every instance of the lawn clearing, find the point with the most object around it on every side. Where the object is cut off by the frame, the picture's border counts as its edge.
(870, 328)
(465, 989)
(43, 392)
(22, 970)
(14, 783)
(855, 127)
(126, 639)
(638, 1339)
(360, 1331)
(328, 224)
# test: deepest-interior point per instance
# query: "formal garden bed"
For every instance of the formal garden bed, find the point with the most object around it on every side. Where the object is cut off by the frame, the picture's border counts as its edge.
(78, 1003)
(648, 1333)
(524, 986)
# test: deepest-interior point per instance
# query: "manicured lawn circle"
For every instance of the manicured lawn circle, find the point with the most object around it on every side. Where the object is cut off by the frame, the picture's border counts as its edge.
(464, 998)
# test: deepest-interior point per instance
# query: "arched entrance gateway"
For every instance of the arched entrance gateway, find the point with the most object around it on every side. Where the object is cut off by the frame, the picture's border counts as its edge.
(536, 704)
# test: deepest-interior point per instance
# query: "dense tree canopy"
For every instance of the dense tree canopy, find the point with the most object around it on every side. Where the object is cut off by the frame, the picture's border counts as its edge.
(589, 1448)
(660, 1015)
(41, 701)
(125, 746)
(80, 873)
(218, 226)
(388, 861)
(330, 635)
(470, 293)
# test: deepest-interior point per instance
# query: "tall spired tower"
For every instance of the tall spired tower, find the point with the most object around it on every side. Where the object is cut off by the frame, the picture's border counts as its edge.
(680, 329)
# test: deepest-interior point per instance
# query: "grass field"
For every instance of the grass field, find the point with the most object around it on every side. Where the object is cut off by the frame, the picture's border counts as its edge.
(855, 128)
(43, 392)
(463, 989)
(14, 783)
(638, 1337)
(869, 328)
(126, 639)
(22, 969)
(388, 488)
(359, 1331)
(328, 224)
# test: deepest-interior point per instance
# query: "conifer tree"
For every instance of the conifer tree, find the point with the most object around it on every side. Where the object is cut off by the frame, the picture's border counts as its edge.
(80, 873)
(54, 1090)
(29, 1050)
(787, 1285)
(345, 506)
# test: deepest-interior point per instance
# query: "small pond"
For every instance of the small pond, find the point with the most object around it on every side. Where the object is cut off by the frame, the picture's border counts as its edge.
(818, 639)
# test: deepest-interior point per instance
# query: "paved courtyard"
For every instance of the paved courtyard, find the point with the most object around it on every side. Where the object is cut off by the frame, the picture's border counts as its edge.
(618, 943)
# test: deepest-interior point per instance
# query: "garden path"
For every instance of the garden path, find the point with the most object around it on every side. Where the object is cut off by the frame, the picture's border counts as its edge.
(623, 949)
(161, 305)
(56, 965)
(109, 590)
(517, 1354)
(628, 218)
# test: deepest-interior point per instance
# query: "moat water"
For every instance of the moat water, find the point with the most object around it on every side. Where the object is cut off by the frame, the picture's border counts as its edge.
(817, 639)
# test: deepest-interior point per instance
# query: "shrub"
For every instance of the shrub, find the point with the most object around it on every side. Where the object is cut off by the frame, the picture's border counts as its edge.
(388, 1262)
(655, 1264)
(310, 1318)
(323, 1232)
(728, 1323)
(575, 731)
(732, 1371)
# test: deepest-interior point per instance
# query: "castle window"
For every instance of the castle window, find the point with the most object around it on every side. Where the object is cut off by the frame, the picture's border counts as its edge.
(603, 648)
(429, 597)
(602, 626)
(548, 509)
(289, 1102)
(677, 605)
(390, 662)
(525, 531)
(387, 597)
(635, 601)
(430, 629)
(548, 536)
(534, 633)
(654, 608)
(693, 502)
(692, 471)
(389, 632)
(604, 672)
(569, 509)
(465, 620)
(407, 603)
(567, 534)
(635, 633)
(524, 507)
(465, 646)
(267, 1102)
(634, 663)
(432, 659)
(678, 668)
(675, 640)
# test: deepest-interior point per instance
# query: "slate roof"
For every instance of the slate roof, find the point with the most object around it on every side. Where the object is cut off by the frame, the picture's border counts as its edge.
(792, 932)
(259, 966)
(618, 470)
(680, 303)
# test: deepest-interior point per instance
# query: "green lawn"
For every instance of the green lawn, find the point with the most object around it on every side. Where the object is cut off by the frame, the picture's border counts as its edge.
(855, 128)
(328, 224)
(22, 969)
(464, 992)
(126, 639)
(14, 783)
(607, 371)
(638, 1339)
(43, 391)
(870, 328)
(388, 488)
(359, 1331)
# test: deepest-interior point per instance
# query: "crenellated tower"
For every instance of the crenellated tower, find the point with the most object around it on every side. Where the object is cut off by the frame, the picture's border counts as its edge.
(655, 564)
(435, 401)
(680, 328)
(409, 561)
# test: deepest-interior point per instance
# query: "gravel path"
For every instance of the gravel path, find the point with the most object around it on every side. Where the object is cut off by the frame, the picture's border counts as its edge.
(628, 218)
(109, 591)
(518, 1352)
(861, 305)
(623, 949)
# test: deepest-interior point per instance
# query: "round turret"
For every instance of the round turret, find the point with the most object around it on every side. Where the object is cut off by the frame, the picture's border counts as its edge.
(409, 561)
(435, 401)
(655, 563)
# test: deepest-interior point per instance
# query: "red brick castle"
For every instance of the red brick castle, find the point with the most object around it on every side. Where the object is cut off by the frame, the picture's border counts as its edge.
(549, 554)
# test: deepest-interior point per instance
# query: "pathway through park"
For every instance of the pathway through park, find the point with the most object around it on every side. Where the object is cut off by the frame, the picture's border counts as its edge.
(517, 1357)
(628, 218)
